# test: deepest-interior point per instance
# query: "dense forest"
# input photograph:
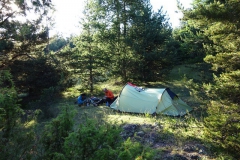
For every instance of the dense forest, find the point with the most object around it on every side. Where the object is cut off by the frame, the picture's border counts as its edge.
(120, 41)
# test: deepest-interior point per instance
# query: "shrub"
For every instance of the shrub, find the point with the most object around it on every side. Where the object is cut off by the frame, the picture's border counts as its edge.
(222, 126)
(228, 86)
(16, 140)
(56, 131)
(34, 76)
(9, 108)
(135, 150)
(93, 140)
(45, 103)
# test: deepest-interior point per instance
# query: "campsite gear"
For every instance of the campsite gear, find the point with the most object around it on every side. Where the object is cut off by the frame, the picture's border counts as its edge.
(108, 101)
(150, 100)
(92, 100)
(101, 101)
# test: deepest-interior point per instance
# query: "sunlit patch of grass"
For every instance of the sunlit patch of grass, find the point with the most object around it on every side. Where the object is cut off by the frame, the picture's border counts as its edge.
(111, 85)
(130, 119)
(30, 124)
(75, 91)
(197, 72)
(71, 92)
(185, 127)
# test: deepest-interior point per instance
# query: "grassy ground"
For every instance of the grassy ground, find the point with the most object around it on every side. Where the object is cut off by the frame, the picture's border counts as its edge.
(178, 136)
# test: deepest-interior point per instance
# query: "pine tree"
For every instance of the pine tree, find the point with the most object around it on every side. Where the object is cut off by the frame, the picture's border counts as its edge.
(191, 42)
(19, 34)
(218, 20)
(133, 37)
(89, 55)
(148, 36)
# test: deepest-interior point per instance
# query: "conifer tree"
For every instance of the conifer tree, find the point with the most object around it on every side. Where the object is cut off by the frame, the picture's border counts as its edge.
(20, 34)
(24, 29)
(219, 21)
(148, 36)
(89, 57)
(191, 42)
(16, 140)
(132, 36)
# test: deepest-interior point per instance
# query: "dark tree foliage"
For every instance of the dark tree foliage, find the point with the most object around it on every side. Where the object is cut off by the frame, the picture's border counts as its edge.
(218, 21)
(33, 76)
(89, 59)
(133, 37)
(9, 109)
(23, 40)
(20, 36)
(16, 141)
(148, 37)
(56, 44)
(191, 40)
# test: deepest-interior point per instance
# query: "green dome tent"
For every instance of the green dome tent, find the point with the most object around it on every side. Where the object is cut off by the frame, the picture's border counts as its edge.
(150, 100)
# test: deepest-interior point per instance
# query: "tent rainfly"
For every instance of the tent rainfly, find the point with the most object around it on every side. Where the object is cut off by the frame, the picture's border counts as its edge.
(150, 100)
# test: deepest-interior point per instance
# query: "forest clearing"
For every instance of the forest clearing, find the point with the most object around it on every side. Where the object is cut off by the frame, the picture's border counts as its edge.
(168, 137)
(119, 41)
